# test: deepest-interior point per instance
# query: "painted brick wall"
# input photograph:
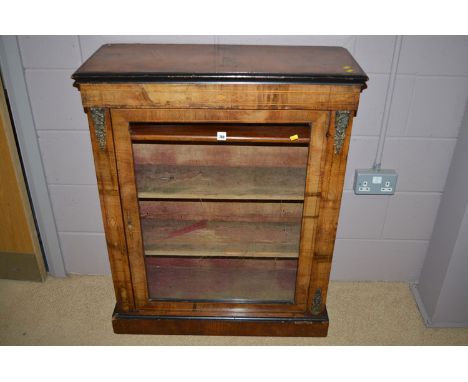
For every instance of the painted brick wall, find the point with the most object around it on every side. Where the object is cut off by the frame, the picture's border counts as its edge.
(379, 237)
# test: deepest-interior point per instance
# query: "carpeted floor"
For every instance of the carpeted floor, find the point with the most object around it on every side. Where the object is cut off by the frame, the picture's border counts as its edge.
(77, 311)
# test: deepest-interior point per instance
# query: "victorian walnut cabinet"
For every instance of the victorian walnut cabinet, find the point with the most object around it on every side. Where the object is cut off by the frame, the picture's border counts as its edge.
(220, 172)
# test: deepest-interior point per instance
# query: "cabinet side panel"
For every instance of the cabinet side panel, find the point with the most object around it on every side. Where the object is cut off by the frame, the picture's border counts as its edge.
(130, 210)
(108, 185)
(332, 175)
(316, 157)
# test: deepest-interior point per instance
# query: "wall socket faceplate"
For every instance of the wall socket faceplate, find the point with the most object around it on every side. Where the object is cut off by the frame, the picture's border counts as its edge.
(375, 182)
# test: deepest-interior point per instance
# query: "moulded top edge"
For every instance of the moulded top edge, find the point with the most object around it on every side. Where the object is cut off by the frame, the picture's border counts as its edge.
(221, 63)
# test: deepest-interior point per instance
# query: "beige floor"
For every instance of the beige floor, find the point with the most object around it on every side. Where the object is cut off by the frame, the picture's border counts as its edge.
(77, 311)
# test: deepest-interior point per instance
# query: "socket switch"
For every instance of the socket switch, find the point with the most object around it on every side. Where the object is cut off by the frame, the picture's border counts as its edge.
(375, 182)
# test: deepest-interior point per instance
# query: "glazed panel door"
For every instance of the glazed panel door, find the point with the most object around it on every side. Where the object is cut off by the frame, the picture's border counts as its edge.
(220, 208)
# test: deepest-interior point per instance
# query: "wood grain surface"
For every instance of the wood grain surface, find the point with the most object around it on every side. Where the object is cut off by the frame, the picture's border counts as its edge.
(20, 251)
(220, 96)
(165, 62)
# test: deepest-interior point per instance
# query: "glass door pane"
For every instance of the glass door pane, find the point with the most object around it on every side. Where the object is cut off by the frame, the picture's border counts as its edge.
(221, 221)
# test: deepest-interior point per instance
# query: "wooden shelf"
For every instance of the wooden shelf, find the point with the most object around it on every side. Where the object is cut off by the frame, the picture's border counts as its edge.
(210, 182)
(249, 133)
(244, 280)
(206, 238)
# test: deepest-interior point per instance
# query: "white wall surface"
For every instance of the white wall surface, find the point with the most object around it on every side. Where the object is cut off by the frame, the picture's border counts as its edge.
(379, 237)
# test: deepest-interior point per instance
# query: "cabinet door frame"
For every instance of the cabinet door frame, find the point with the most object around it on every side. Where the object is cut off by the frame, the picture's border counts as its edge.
(319, 144)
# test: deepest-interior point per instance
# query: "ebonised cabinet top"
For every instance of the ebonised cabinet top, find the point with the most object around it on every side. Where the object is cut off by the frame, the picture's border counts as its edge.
(220, 63)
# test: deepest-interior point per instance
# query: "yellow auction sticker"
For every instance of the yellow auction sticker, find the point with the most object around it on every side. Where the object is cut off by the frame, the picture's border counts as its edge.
(294, 137)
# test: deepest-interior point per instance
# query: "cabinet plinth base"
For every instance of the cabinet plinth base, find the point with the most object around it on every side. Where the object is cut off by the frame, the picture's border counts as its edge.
(316, 326)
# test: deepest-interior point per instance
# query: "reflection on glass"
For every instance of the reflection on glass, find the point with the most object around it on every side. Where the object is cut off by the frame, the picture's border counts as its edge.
(220, 222)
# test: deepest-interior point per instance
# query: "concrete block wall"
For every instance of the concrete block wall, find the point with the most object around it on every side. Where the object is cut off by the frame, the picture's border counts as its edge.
(379, 237)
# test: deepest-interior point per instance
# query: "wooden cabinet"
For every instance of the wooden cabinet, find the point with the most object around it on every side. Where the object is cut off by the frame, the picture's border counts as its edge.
(220, 171)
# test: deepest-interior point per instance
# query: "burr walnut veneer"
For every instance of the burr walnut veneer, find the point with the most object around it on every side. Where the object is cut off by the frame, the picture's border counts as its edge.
(220, 172)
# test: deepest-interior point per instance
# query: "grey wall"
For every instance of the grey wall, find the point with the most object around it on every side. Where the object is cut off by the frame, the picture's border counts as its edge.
(379, 237)
(442, 291)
